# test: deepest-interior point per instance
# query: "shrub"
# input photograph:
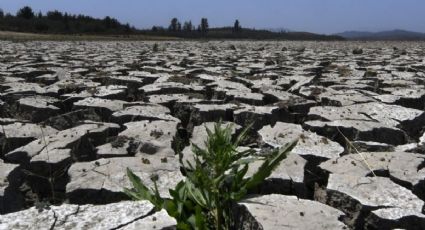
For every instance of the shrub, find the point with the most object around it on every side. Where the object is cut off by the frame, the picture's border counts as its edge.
(358, 51)
(214, 181)
(155, 48)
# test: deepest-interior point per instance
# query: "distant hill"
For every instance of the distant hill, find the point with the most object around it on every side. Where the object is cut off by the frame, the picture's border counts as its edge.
(383, 35)
(278, 29)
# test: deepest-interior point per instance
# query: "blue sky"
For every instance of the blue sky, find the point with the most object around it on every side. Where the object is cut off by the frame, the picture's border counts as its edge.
(320, 16)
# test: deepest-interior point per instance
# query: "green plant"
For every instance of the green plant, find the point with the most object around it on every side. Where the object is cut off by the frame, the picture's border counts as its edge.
(214, 181)
(155, 48)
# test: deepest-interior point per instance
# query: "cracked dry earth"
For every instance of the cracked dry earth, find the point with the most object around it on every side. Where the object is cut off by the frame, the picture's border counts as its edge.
(75, 115)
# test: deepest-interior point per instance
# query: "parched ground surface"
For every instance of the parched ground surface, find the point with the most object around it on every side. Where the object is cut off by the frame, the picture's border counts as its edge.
(75, 115)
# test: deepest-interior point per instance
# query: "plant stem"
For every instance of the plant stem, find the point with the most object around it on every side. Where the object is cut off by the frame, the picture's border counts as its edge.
(218, 218)
(219, 212)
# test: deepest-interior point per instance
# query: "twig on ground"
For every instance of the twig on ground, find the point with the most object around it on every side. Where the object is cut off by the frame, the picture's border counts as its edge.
(357, 151)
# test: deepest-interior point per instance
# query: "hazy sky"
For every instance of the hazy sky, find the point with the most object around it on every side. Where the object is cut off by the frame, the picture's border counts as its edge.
(320, 16)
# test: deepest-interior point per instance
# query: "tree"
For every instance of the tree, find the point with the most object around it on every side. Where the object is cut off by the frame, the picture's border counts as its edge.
(187, 27)
(179, 26)
(1, 13)
(66, 21)
(204, 25)
(107, 21)
(55, 21)
(173, 25)
(157, 28)
(25, 12)
(110, 23)
(127, 28)
(237, 27)
(55, 15)
(41, 26)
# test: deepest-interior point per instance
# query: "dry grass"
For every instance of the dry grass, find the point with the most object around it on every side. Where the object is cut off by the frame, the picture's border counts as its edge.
(350, 144)
(18, 36)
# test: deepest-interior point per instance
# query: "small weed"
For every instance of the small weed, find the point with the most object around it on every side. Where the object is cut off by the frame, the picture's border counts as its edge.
(358, 51)
(324, 140)
(155, 48)
(214, 182)
(145, 161)
(119, 142)
(303, 137)
(344, 71)
(156, 133)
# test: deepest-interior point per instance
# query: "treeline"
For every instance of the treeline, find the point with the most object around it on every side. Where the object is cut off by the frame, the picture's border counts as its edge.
(176, 27)
(188, 30)
(56, 22)
(26, 20)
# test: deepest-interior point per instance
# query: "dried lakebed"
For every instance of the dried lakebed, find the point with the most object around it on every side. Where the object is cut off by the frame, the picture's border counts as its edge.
(75, 115)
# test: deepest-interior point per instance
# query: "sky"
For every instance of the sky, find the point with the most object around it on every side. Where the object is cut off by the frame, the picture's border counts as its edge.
(318, 16)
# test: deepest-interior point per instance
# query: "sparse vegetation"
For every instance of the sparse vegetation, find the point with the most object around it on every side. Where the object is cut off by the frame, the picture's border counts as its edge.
(344, 71)
(370, 73)
(119, 141)
(358, 51)
(155, 48)
(215, 180)
(55, 22)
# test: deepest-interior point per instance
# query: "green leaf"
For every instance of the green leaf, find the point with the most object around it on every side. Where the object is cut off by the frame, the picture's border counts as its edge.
(240, 174)
(138, 185)
(195, 194)
(141, 192)
(244, 154)
(237, 196)
(243, 134)
(200, 218)
(269, 165)
(245, 161)
(132, 194)
(183, 226)
(171, 208)
(192, 221)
